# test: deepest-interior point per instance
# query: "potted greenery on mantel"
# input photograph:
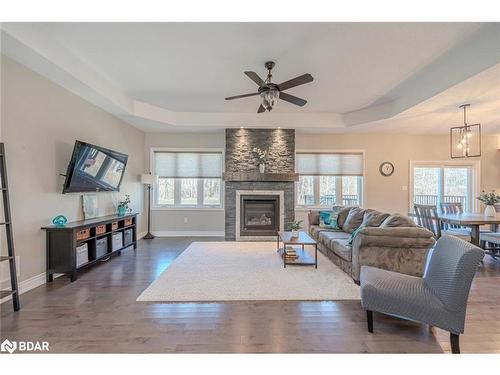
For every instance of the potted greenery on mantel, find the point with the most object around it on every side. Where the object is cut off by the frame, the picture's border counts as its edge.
(262, 156)
(489, 199)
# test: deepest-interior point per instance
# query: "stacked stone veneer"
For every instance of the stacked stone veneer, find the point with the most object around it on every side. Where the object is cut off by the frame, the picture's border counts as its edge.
(239, 157)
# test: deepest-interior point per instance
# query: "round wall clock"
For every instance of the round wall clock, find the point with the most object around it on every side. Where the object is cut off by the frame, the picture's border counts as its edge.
(386, 169)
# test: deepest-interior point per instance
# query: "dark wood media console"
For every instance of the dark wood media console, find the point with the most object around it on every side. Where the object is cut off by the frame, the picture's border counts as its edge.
(62, 242)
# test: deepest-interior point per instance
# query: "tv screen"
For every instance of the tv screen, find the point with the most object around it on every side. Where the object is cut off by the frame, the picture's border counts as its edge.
(94, 168)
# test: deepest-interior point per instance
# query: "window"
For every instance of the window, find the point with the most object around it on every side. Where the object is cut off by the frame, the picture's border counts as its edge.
(434, 183)
(188, 179)
(327, 179)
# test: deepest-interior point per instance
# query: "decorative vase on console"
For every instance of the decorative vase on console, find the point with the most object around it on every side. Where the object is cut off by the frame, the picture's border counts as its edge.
(123, 206)
(489, 199)
(262, 156)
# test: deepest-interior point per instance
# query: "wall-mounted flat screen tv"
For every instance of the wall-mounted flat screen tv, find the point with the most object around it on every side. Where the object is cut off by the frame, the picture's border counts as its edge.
(94, 168)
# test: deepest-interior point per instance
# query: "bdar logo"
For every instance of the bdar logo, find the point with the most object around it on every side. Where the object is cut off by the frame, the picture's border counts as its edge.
(8, 346)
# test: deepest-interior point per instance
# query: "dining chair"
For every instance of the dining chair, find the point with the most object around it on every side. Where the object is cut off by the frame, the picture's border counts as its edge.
(428, 218)
(454, 229)
(439, 298)
(491, 243)
(451, 208)
(492, 240)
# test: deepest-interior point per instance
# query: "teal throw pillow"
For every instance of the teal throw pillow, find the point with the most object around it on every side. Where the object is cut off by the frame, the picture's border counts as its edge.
(353, 235)
(328, 219)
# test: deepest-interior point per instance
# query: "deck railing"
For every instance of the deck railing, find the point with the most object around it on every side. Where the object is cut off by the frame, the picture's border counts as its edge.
(331, 200)
(432, 200)
(350, 200)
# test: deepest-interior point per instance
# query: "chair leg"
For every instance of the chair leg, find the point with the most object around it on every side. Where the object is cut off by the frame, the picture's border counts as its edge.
(369, 320)
(455, 343)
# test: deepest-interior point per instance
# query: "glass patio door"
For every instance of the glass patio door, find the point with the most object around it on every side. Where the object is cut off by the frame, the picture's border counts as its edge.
(435, 184)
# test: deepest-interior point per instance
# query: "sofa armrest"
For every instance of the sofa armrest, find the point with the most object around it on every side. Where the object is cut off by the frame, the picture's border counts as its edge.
(408, 232)
(398, 249)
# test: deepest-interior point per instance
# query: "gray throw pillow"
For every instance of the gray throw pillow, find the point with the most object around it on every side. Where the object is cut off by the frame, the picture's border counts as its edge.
(398, 220)
(343, 213)
(354, 219)
(314, 217)
(373, 218)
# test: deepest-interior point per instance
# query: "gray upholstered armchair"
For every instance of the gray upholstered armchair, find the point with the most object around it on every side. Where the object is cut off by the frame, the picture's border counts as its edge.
(438, 299)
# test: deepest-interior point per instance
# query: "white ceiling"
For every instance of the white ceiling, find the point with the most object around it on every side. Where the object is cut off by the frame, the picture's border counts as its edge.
(192, 67)
(181, 68)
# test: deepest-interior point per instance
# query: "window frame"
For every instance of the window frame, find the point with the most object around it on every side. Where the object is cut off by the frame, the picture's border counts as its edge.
(474, 184)
(338, 180)
(155, 206)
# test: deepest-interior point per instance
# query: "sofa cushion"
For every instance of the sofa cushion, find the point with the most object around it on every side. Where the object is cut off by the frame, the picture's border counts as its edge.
(354, 220)
(315, 230)
(326, 237)
(373, 219)
(341, 249)
(398, 220)
(336, 242)
(343, 213)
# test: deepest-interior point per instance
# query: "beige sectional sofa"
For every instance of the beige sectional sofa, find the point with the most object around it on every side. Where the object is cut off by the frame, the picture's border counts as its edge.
(392, 242)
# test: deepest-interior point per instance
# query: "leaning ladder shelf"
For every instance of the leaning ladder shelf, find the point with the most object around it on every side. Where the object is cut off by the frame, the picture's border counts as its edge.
(10, 257)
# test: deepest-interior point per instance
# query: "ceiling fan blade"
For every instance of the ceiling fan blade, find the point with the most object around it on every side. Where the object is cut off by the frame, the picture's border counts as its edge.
(300, 80)
(254, 77)
(292, 99)
(241, 96)
(261, 109)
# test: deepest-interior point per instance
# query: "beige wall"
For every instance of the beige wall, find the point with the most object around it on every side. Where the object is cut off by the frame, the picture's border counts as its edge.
(382, 193)
(173, 222)
(40, 123)
(386, 193)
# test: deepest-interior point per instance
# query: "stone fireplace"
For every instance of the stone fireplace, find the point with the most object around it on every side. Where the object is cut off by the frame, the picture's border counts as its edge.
(258, 205)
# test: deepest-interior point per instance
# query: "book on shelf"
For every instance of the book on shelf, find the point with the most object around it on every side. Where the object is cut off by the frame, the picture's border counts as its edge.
(290, 254)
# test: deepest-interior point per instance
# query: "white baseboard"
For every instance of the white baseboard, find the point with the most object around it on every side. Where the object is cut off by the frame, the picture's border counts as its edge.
(189, 233)
(140, 235)
(28, 284)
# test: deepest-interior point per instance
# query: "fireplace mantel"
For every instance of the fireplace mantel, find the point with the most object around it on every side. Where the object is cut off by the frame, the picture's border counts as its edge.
(258, 177)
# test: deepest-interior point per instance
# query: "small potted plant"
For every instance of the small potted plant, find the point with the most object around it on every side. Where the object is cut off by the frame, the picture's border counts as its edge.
(262, 156)
(123, 206)
(489, 199)
(295, 227)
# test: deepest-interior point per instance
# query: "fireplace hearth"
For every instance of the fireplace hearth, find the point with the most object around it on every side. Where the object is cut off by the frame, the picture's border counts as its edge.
(259, 215)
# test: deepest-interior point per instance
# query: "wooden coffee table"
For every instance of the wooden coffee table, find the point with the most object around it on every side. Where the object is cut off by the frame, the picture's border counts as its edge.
(304, 258)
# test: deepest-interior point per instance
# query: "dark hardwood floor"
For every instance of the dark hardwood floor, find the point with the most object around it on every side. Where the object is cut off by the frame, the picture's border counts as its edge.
(98, 314)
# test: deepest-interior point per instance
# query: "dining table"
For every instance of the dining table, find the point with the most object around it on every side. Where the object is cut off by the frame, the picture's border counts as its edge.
(473, 221)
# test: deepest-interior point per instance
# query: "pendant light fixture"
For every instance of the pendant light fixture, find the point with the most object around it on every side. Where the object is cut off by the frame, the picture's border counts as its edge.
(465, 141)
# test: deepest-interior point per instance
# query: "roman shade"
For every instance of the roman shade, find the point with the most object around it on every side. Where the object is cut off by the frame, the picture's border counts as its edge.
(330, 164)
(188, 164)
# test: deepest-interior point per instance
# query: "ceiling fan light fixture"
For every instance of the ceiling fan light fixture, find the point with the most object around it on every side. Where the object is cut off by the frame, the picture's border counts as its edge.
(270, 98)
(271, 92)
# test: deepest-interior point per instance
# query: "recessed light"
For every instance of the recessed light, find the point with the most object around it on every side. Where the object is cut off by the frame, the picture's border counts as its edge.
(279, 127)
(242, 127)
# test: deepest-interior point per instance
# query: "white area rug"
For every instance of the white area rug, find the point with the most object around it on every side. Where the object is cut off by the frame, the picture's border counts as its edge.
(244, 271)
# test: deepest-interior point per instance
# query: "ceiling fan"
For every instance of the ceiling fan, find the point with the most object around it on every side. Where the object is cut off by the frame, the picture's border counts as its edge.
(270, 92)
